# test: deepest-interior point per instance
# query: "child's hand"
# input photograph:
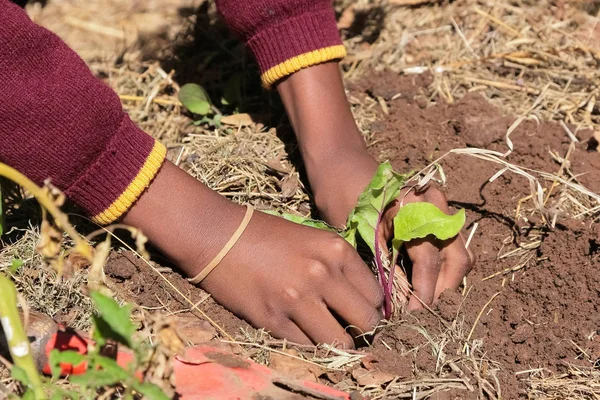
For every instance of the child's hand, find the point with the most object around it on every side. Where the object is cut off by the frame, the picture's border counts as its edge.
(436, 265)
(339, 168)
(293, 280)
(297, 281)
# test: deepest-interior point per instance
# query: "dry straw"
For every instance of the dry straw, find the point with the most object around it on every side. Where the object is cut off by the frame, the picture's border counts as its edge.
(522, 56)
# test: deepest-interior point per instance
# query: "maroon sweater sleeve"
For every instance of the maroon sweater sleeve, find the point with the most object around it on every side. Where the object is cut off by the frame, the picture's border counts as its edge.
(285, 35)
(58, 121)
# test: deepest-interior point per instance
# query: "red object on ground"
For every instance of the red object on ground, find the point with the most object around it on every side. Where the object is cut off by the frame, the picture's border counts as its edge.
(66, 339)
(205, 372)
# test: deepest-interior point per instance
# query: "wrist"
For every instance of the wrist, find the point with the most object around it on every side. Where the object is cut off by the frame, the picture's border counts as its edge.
(338, 181)
(186, 220)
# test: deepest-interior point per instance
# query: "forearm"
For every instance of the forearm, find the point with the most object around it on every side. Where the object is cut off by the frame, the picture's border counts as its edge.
(185, 219)
(59, 122)
(333, 149)
(319, 112)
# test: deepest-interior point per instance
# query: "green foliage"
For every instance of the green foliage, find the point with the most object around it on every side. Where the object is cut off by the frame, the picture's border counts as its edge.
(112, 321)
(19, 374)
(55, 358)
(195, 99)
(313, 223)
(24, 368)
(381, 191)
(150, 391)
(214, 121)
(15, 265)
(419, 220)
(413, 221)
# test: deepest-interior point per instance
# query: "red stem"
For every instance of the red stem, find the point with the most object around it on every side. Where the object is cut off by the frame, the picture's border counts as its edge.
(387, 292)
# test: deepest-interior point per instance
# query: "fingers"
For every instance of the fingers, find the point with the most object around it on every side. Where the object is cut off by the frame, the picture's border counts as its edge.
(286, 329)
(425, 271)
(363, 280)
(437, 266)
(353, 307)
(317, 323)
(457, 262)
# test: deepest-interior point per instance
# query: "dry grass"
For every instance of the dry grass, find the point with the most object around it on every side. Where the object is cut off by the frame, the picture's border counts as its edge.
(529, 57)
(578, 383)
(534, 60)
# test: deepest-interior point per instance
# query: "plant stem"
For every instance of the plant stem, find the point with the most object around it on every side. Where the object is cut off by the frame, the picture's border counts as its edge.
(16, 338)
(81, 246)
(387, 293)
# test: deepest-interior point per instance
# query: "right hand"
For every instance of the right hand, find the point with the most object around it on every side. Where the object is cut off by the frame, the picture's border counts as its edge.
(297, 282)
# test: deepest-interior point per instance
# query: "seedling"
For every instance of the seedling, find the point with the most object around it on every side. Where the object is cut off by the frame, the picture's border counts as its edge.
(196, 100)
(413, 221)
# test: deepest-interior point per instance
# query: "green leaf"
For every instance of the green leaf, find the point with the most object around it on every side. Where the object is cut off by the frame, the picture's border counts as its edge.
(114, 321)
(105, 372)
(16, 264)
(150, 391)
(418, 220)
(194, 98)
(61, 394)
(350, 232)
(381, 191)
(314, 223)
(19, 374)
(95, 378)
(111, 367)
(68, 357)
(215, 121)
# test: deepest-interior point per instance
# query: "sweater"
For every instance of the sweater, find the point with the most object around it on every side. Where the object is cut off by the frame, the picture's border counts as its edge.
(59, 122)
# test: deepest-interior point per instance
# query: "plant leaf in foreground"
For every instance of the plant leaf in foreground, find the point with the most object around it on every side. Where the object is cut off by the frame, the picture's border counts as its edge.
(418, 220)
(366, 218)
(381, 191)
(114, 321)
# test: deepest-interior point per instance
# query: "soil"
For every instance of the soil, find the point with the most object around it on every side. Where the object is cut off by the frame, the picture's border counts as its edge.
(543, 310)
(546, 314)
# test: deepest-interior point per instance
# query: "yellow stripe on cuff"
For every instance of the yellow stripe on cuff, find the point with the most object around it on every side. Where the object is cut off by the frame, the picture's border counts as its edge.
(294, 64)
(136, 187)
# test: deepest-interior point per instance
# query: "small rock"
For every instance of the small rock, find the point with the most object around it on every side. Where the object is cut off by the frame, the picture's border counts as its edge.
(194, 330)
(522, 333)
(375, 377)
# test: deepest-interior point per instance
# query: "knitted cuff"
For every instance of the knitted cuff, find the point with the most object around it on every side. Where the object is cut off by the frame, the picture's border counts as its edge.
(120, 174)
(309, 39)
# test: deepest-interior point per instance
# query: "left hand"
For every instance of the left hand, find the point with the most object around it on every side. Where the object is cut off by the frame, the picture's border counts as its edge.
(436, 265)
(339, 168)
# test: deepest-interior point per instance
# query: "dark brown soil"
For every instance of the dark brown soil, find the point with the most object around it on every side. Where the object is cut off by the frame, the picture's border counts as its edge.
(545, 313)
(543, 310)
(136, 282)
